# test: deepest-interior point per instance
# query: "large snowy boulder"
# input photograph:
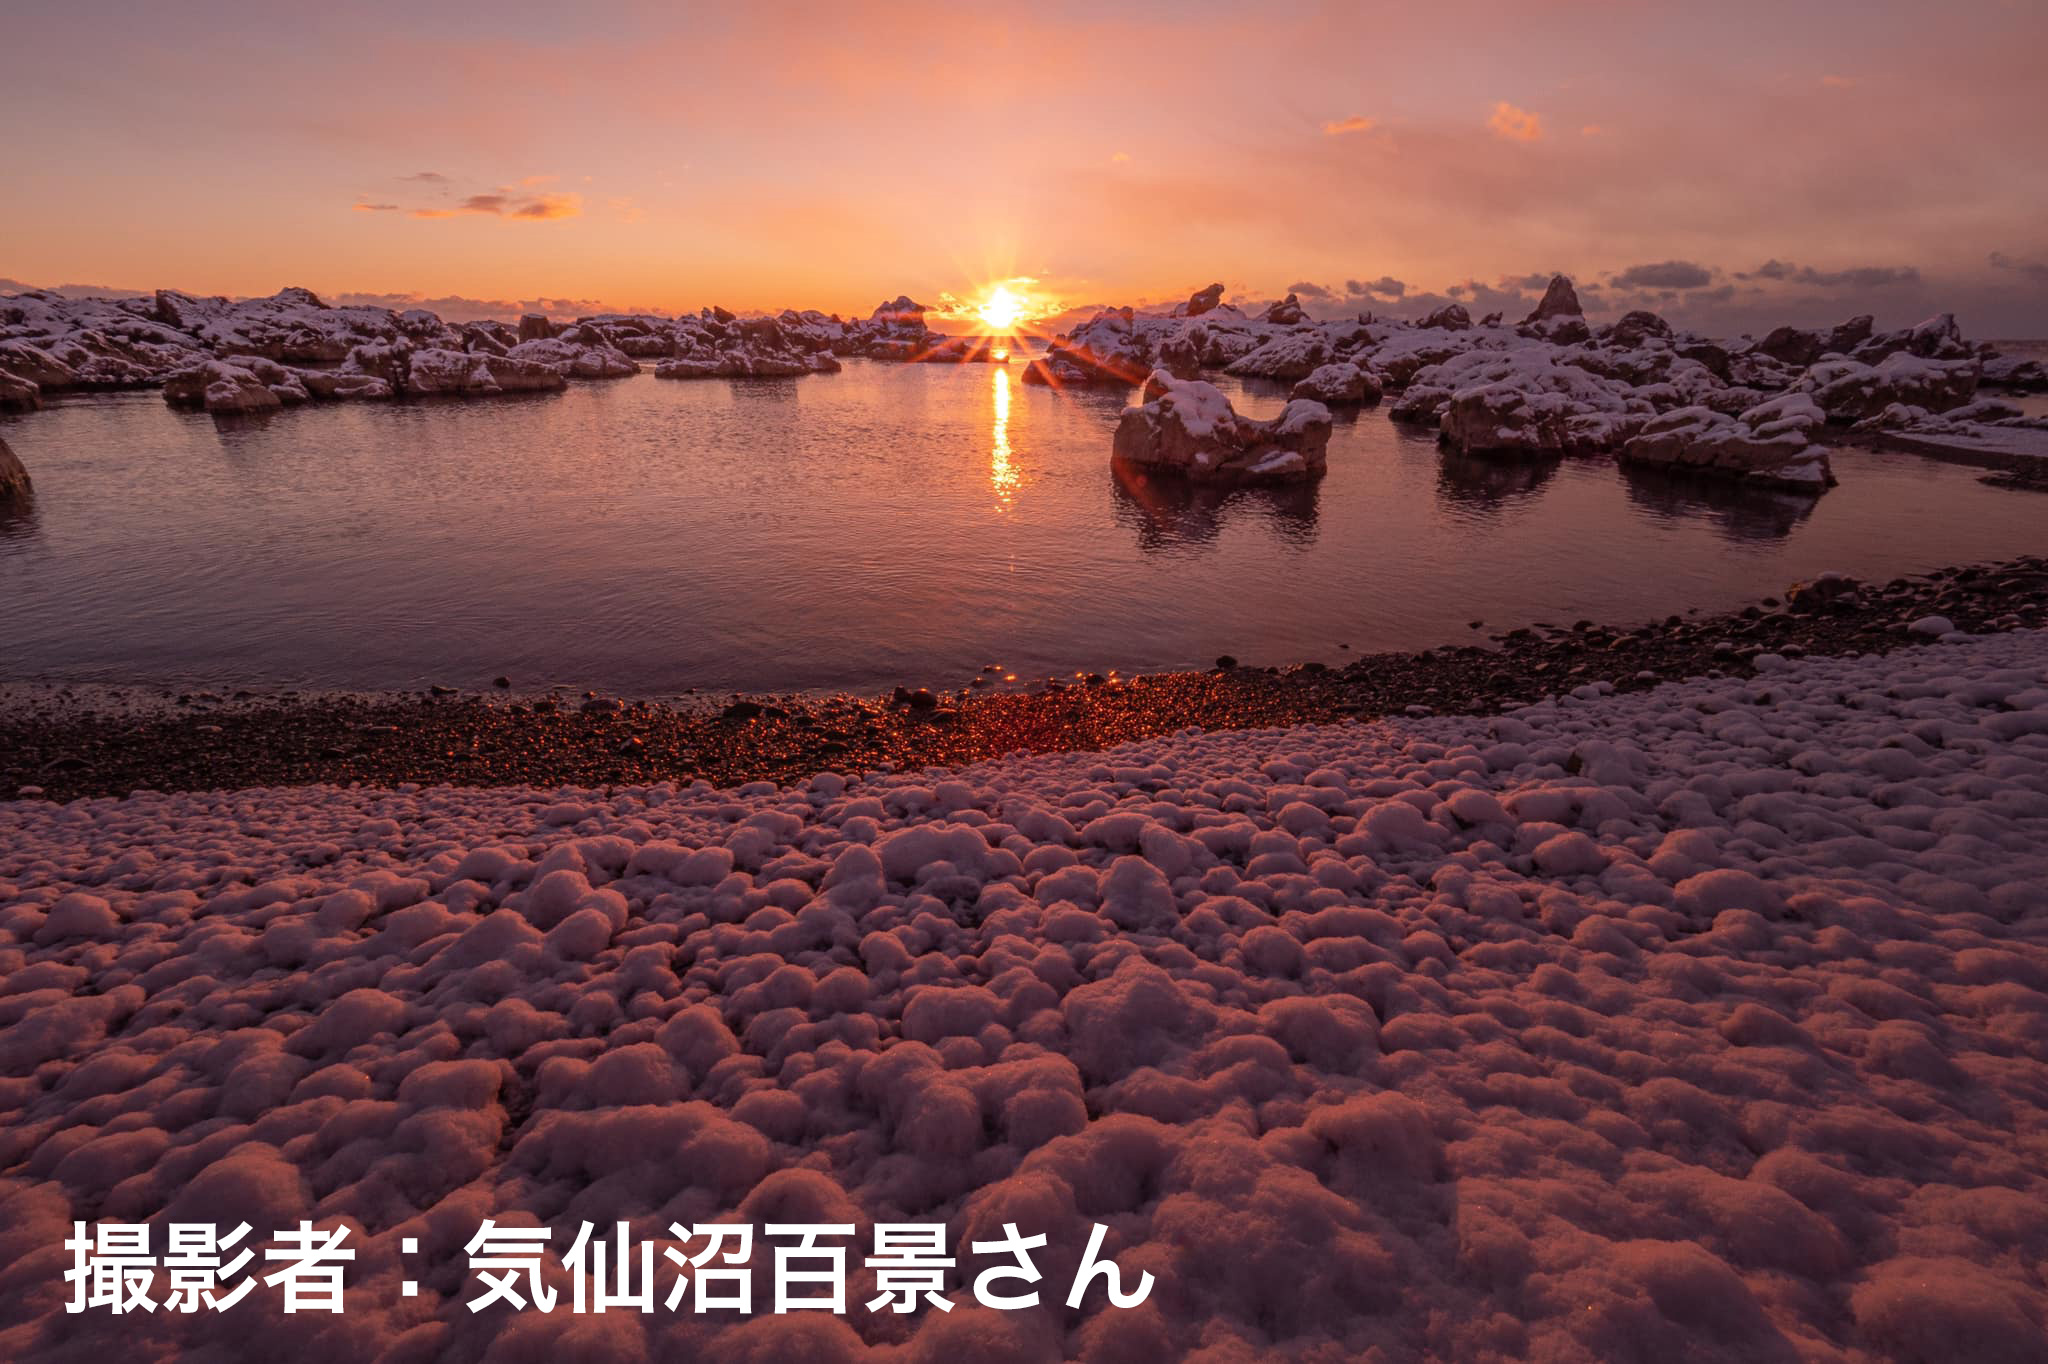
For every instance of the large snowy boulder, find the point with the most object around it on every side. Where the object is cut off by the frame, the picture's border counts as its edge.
(1936, 338)
(31, 363)
(896, 330)
(1109, 348)
(1286, 313)
(220, 387)
(1452, 317)
(1291, 355)
(463, 374)
(18, 394)
(1188, 427)
(1850, 390)
(1635, 328)
(576, 361)
(1343, 382)
(1525, 402)
(2015, 372)
(717, 345)
(1771, 443)
(13, 476)
(1203, 300)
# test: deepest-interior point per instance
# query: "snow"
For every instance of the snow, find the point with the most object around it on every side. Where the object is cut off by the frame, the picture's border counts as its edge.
(1201, 407)
(1188, 427)
(1700, 1022)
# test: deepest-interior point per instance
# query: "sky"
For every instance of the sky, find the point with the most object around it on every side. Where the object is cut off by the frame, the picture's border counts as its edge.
(1730, 164)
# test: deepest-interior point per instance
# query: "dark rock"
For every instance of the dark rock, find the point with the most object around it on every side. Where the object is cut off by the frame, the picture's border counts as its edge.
(1203, 300)
(1559, 300)
(14, 481)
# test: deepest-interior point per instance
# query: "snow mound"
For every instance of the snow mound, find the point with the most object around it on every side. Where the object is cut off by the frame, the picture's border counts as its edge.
(1187, 427)
(1705, 1021)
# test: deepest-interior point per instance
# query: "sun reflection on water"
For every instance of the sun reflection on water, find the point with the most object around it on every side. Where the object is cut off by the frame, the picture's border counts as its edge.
(1002, 472)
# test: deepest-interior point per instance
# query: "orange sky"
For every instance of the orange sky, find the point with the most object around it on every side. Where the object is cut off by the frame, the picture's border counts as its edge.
(668, 156)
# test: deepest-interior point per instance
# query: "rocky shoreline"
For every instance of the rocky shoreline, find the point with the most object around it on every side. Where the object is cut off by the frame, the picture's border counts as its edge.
(61, 744)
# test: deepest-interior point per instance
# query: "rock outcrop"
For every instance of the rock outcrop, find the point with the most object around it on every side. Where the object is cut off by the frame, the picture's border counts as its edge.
(1109, 348)
(1850, 390)
(1771, 443)
(1286, 313)
(1343, 383)
(1526, 402)
(574, 360)
(466, 374)
(1203, 300)
(14, 483)
(1187, 427)
(709, 347)
(220, 387)
(1452, 317)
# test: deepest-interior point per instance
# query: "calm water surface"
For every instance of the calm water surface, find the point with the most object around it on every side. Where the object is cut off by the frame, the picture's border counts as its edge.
(892, 523)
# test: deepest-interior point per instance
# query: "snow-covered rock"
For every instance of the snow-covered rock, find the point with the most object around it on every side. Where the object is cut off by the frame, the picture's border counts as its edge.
(1558, 316)
(1203, 300)
(1188, 427)
(1287, 312)
(1452, 317)
(2015, 372)
(220, 387)
(1110, 348)
(1850, 390)
(576, 360)
(1341, 383)
(1801, 346)
(896, 330)
(713, 346)
(1936, 338)
(435, 372)
(1523, 401)
(1768, 444)
(18, 394)
(1635, 328)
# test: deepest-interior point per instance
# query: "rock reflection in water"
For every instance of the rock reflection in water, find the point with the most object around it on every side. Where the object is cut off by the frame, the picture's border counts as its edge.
(1743, 511)
(1168, 512)
(1487, 483)
(18, 518)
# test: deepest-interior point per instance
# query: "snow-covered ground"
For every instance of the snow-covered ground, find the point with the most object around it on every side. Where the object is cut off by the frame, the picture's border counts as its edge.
(1702, 1023)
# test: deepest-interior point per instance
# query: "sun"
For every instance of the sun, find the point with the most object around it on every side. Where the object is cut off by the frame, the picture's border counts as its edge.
(1002, 309)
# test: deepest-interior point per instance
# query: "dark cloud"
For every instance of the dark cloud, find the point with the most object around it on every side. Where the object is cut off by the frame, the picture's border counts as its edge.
(1316, 292)
(1386, 286)
(2034, 270)
(1669, 274)
(1857, 277)
(15, 286)
(362, 207)
(427, 177)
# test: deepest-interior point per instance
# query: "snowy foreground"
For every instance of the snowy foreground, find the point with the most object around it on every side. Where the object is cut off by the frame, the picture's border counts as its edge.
(1702, 1023)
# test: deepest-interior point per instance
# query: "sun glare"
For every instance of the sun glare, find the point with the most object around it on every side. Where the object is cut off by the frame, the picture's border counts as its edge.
(1002, 309)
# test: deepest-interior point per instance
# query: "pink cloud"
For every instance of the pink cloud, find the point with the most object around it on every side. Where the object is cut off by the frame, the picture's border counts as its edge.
(534, 208)
(1357, 123)
(1516, 125)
